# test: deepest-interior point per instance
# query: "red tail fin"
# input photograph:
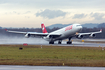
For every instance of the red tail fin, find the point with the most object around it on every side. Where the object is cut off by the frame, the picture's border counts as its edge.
(43, 28)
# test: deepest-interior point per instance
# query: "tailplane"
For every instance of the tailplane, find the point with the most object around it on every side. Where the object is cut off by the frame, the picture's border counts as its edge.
(43, 28)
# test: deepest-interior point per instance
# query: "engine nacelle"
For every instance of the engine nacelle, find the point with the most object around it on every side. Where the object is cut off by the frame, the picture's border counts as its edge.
(92, 35)
(79, 36)
(27, 35)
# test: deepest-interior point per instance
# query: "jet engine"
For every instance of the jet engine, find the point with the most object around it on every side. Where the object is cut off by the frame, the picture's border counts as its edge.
(27, 35)
(92, 35)
(79, 36)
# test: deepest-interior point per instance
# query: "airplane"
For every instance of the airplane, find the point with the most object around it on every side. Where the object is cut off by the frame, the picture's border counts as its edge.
(60, 34)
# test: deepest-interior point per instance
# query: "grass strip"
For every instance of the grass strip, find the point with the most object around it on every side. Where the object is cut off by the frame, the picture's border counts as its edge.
(52, 55)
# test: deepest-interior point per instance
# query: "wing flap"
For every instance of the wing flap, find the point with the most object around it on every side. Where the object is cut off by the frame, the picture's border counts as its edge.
(37, 34)
(16, 32)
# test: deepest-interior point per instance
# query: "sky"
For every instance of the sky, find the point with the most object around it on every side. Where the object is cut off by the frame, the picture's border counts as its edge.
(31, 13)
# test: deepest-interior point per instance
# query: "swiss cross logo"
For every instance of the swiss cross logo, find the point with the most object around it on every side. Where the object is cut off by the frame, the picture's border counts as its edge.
(68, 28)
(43, 28)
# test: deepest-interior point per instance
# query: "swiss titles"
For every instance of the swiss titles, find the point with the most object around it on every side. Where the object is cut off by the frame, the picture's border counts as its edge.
(68, 28)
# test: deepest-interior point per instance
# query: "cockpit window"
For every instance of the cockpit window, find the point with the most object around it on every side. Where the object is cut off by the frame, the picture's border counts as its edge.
(78, 25)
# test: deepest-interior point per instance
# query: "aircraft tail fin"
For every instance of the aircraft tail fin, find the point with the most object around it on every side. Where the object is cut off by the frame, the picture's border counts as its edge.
(43, 28)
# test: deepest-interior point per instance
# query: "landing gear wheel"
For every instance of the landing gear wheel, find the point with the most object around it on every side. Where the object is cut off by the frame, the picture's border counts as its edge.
(69, 42)
(59, 42)
(51, 42)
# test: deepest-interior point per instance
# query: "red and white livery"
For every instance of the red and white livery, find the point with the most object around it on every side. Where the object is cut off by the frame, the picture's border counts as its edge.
(61, 34)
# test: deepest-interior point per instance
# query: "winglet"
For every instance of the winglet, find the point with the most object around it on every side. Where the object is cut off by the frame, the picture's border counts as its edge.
(100, 30)
(6, 30)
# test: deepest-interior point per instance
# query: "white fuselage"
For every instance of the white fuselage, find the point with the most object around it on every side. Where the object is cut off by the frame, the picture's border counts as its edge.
(65, 32)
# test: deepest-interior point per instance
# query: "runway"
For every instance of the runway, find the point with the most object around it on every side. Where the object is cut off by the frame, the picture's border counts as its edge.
(39, 41)
(15, 67)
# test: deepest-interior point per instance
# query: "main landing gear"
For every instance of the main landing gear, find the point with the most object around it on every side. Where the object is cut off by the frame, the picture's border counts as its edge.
(69, 42)
(60, 41)
(51, 42)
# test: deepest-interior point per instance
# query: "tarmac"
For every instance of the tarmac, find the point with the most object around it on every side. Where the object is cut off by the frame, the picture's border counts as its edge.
(16, 67)
(39, 41)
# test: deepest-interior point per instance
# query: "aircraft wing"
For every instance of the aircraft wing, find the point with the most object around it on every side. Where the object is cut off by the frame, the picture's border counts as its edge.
(16, 31)
(37, 34)
(29, 33)
(92, 34)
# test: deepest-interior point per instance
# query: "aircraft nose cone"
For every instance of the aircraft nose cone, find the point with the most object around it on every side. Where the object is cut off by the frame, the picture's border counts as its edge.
(80, 28)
